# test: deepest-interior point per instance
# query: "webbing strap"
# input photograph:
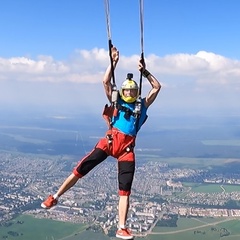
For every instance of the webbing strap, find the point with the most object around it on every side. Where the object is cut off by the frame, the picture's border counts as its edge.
(107, 13)
(141, 23)
(141, 43)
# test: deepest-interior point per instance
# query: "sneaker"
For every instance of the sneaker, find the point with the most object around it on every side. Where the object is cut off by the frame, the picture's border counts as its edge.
(49, 202)
(124, 234)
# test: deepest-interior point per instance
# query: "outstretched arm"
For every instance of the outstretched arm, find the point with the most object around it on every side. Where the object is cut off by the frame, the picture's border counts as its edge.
(156, 86)
(108, 74)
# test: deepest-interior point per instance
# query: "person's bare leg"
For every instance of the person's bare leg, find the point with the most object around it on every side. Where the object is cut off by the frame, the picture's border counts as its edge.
(67, 184)
(123, 210)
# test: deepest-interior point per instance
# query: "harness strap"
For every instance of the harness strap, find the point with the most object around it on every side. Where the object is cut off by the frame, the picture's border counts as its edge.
(108, 114)
(128, 111)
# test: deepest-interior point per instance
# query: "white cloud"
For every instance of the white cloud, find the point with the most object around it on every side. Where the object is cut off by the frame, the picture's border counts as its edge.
(88, 66)
(189, 80)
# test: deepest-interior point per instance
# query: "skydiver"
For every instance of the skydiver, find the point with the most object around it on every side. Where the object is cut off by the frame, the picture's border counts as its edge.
(119, 140)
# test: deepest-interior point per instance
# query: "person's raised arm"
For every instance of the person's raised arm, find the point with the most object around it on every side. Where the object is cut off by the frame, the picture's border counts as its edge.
(156, 86)
(108, 74)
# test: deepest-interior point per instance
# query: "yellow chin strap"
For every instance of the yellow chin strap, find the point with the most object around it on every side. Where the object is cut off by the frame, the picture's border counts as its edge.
(128, 99)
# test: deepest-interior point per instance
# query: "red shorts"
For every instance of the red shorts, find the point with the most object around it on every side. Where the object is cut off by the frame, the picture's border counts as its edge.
(119, 146)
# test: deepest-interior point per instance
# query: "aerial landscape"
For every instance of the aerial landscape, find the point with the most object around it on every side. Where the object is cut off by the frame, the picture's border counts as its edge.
(167, 68)
(184, 173)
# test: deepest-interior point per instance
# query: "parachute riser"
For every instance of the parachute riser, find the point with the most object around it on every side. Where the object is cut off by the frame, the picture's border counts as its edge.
(114, 95)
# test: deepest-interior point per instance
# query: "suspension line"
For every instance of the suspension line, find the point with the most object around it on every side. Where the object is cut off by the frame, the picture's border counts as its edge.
(107, 12)
(141, 43)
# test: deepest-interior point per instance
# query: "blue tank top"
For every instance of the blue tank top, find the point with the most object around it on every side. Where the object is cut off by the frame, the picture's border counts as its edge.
(125, 121)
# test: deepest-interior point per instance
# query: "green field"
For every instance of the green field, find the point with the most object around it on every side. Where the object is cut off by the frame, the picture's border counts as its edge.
(212, 188)
(215, 188)
(201, 228)
(195, 163)
(29, 228)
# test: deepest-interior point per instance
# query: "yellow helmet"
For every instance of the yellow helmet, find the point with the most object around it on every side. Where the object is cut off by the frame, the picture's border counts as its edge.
(129, 84)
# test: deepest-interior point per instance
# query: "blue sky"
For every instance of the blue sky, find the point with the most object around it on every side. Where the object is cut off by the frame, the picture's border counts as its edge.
(53, 53)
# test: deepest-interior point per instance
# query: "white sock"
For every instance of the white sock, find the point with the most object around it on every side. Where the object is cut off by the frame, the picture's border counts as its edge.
(55, 196)
(122, 227)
